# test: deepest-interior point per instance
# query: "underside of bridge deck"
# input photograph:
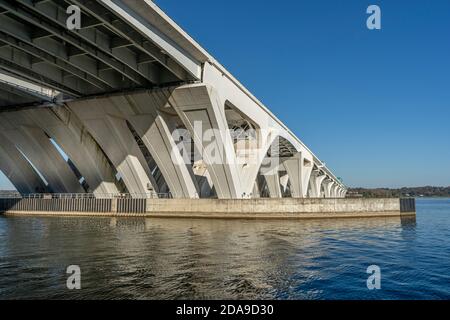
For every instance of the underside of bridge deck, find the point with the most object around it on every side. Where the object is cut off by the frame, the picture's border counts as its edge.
(107, 54)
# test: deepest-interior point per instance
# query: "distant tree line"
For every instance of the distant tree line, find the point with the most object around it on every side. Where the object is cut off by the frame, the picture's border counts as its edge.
(361, 192)
(401, 192)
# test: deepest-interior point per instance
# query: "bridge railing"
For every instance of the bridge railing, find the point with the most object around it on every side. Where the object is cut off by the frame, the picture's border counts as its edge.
(10, 195)
(79, 202)
(48, 94)
(148, 195)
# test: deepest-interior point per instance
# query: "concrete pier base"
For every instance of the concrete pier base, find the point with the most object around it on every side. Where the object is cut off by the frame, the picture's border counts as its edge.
(287, 208)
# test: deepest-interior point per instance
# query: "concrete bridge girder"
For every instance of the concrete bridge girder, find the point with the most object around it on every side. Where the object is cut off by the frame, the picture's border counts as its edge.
(190, 102)
(316, 184)
(202, 111)
(229, 90)
(273, 184)
(142, 114)
(62, 126)
(86, 160)
(328, 186)
(113, 135)
(142, 48)
(256, 192)
(158, 140)
(50, 162)
(299, 169)
(335, 191)
(66, 129)
(36, 146)
(284, 182)
(156, 135)
(141, 111)
(18, 170)
(21, 129)
(204, 117)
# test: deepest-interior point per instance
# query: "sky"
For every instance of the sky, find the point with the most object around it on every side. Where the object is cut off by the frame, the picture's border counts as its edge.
(374, 105)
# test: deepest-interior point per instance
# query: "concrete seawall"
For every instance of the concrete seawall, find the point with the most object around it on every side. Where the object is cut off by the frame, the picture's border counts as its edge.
(286, 208)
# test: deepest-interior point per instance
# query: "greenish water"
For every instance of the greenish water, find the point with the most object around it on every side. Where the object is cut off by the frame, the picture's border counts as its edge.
(228, 259)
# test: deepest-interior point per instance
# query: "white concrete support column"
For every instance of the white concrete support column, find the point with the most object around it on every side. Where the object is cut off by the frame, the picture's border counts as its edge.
(34, 143)
(202, 112)
(17, 169)
(273, 184)
(203, 179)
(334, 191)
(117, 141)
(299, 170)
(284, 180)
(157, 137)
(256, 192)
(68, 132)
(252, 156)
(327, 186)
(36, 146)
(164, 151)
(316, 184)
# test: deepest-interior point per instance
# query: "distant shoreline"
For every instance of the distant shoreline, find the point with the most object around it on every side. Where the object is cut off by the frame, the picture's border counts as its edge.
(414, 192)
(356, 192)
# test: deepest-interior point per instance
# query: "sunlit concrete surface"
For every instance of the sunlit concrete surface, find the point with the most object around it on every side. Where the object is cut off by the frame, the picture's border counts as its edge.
(99, 110)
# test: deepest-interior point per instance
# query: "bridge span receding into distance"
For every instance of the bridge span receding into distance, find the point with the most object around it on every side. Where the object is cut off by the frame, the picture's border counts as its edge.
(130, 103)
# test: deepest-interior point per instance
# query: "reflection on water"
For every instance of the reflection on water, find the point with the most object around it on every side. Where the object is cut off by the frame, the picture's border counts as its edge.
(235, 259)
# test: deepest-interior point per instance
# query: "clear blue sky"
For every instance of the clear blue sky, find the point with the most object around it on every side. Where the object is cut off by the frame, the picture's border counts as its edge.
(374, 105)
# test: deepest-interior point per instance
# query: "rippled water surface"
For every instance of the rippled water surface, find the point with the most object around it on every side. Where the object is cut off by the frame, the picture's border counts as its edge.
(197, 259)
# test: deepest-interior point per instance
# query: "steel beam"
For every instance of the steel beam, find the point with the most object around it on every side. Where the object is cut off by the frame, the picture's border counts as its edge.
(93, 38)
(52, 60)
(36, 77)
(34, 65)
(128, 11)
(126, 31)
(51, 21)
(21, 93)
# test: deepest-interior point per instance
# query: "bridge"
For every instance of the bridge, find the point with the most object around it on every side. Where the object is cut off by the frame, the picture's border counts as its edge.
(130, 103)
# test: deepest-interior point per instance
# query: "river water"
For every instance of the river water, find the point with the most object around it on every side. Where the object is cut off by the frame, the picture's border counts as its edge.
(228, 259)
